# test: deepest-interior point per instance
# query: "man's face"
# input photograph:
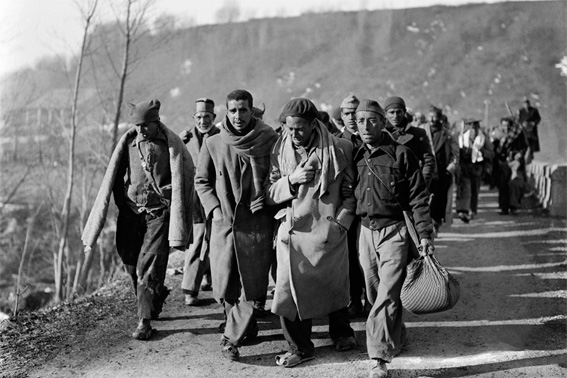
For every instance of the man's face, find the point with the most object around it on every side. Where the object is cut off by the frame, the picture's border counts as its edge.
(300, 130)
(433, 118)
(349, 118)
(204, 121)
(370, 126)
(506, 125)
(147, 130)
(396, 116)
(526, 104)
(239, 114)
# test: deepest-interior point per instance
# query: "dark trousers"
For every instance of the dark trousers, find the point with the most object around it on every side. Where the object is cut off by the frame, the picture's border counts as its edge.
(297, 332)
(356, 277)
(509, 191)
(142, 243)
(439, 187)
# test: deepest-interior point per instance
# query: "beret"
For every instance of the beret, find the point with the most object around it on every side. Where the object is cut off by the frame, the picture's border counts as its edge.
(397, 102)
(143, 112)
(299, 107)
(205, 105)
(351, 102)
(370, 106)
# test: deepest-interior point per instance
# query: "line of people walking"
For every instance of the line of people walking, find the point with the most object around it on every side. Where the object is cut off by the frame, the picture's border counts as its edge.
(320, 208)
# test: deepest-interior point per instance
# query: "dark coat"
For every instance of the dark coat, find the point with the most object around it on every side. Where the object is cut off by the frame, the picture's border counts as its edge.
(531, 115)
(241, 242)
(194, 147)
(418, 142)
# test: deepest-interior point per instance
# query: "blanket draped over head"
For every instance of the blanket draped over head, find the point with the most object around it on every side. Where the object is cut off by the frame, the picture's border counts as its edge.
(332, 163)
(252, 148)
(182, 172)
(477, 145)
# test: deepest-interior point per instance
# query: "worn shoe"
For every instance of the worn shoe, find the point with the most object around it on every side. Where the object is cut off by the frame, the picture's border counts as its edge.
(229, 351)
(206, 287)
(143, 332)
(260, 310)
(290, 359)
(344, 343)
(464, 217)
(191, 300)
(159, 300)
(379, 370)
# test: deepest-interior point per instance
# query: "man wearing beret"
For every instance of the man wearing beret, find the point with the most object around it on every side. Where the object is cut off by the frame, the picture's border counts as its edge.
(389, 182)
(415, 139)
(475, 149)
(446, 151)
(230, 182)
(151, 175)
(197, 263)
(310, 168)
(356, 279)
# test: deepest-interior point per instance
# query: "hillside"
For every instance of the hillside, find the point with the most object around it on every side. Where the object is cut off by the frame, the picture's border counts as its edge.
(457, 58)
(453, 57)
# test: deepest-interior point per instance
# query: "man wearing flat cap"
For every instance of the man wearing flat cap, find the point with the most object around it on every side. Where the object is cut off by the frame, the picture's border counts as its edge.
(414, 138)
(150, 175)
(233, 166)
(389, 183)
(446, 151)
(475, 150)
(310, 168)
(197, 262)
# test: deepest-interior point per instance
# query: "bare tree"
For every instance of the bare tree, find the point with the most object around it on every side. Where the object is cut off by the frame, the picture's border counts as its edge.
(229, 12)
(131, 30)
(63, 250)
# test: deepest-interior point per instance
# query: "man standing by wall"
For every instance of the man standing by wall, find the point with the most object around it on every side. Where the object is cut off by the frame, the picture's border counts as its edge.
(389, 182)
(529, 118)
(150, 174)
(197, 261)
(309, 170)
(232, 167)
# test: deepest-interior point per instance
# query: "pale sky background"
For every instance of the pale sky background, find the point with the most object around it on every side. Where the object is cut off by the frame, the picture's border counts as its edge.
(30, 29)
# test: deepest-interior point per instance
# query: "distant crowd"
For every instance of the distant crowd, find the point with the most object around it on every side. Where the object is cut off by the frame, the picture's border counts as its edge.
(323, 204)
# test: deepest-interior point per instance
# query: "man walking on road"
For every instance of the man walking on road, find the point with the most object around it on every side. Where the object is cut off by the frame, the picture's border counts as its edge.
(389, 182)
(309, 170)
(150, 174)
(197, 263)
(230, 177)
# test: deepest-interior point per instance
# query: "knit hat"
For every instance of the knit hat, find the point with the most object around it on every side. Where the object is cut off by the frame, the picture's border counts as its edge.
(351, 102)
(394, 102)
(299, 107)
(370, 106)
(147, 111)
(205, 105)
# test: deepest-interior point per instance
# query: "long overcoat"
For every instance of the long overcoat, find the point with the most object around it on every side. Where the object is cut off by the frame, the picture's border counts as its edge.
(241, 242)
(194, 148)
(312, 253)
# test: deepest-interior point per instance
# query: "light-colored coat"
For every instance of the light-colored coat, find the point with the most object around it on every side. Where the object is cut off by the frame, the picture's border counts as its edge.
(241, 241)
(312, 275)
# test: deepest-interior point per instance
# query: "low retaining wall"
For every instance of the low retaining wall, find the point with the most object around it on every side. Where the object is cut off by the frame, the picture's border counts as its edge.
(550, 184)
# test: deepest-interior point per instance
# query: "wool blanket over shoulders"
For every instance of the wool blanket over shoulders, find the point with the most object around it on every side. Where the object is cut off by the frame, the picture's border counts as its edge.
(182, 174)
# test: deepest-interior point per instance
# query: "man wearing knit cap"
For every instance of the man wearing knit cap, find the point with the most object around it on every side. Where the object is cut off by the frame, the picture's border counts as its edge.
(415, 139)
(197, 262)
(446, 151)
(310, 170)
(233, 166)
(151, 175)
(389, 182)
(356, 279)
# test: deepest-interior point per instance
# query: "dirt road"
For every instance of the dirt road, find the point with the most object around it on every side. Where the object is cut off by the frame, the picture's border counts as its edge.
(511, 320)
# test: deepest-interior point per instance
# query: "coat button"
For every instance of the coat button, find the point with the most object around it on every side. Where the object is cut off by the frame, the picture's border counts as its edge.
(369, 173)
(392, 183)
(367, 189)
(329, 218)
(369, 204)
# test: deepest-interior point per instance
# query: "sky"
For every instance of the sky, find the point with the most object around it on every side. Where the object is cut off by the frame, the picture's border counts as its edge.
(31, 29)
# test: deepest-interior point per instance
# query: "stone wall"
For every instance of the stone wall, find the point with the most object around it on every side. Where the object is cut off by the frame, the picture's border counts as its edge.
(550, 184)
